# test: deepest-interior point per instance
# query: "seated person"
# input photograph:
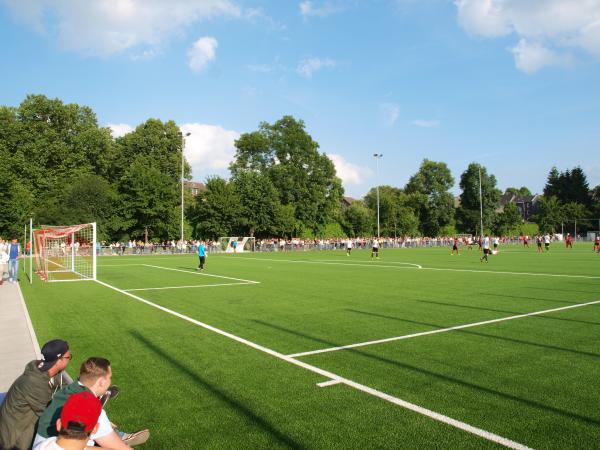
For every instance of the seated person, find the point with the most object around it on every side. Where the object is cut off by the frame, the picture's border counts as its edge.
(78, 420)
(29, 395)
(94, 376)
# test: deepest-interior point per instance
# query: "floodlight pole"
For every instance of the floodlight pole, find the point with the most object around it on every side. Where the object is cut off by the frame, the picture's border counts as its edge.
(480, 205)
(377, 157)
(182, 182)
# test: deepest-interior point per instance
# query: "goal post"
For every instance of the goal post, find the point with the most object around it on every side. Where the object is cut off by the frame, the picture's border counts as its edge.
(65, 253)
(236, 244)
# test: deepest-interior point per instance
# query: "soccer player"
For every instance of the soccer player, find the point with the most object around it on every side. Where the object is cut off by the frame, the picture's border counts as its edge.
(569, 241)
(201, 255)
(547, 242)
(455, 246)
(538, 241)
(486, 249)
(470, 243)
(375, 250)
(496, 242)
(526, 241)
(597, 243)
(348, 246)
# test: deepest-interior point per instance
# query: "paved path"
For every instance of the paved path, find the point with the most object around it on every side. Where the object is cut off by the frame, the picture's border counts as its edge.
(18, 344)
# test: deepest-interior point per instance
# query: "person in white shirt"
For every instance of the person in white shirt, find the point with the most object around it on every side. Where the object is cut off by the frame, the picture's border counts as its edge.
(375, 250)
(486, 249)
(348, 246)
(547, 241)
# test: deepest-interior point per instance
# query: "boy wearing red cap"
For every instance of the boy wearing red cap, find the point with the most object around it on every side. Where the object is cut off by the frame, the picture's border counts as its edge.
(78, 420)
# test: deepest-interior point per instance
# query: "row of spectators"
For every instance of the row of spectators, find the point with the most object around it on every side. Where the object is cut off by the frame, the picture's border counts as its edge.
(45, 409)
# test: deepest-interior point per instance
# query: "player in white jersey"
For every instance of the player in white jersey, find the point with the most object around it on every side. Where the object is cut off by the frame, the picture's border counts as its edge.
(375, 251)
(486, 249)
(348, 246)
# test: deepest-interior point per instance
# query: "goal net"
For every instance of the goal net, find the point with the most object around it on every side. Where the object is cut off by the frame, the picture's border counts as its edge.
(65, 253)
(236, 244)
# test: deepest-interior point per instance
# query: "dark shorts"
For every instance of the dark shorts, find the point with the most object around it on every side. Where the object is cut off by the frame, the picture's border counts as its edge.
(375, 249)
(487, 251)
(455, 247)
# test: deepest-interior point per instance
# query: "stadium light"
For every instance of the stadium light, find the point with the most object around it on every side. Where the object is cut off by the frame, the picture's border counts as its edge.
(377, 157)
(182, 182)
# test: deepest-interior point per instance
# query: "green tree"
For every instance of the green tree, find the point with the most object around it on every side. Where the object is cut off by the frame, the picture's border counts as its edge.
(358, 220)
(508, 221)
(519, 192)
(468, 213)
(216, 211)
(429, 191)
(303, 177)
(258, 201)
(550, 214)
(396, 217)
(568, 186)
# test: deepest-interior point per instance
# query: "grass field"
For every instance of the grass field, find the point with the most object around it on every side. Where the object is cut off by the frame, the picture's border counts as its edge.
(204, 361)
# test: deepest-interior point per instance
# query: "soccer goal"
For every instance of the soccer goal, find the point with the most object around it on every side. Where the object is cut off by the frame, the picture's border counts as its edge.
(65, 253)
(237, 244)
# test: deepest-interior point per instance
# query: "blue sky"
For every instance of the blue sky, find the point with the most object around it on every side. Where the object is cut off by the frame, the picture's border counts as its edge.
(512, 84)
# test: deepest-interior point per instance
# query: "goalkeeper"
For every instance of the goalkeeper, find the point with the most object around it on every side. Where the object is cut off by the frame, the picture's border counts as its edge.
(201, 255)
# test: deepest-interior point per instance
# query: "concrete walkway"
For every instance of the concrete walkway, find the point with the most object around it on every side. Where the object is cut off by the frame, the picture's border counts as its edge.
(18, 344)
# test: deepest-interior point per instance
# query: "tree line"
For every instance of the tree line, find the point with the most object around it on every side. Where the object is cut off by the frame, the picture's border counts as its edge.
(59, 167)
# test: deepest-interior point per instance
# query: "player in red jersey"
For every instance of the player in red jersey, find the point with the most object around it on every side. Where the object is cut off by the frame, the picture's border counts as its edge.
(597, 243)
(569, 241)
(526, 241)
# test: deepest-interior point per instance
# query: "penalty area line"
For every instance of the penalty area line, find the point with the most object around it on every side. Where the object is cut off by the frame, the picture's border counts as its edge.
(328, 263)
(336, 378)
(202, 274)
(440, 330)
(187, 287)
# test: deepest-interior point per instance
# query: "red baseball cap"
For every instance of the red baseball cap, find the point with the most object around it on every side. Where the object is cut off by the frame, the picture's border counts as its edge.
(83, 408)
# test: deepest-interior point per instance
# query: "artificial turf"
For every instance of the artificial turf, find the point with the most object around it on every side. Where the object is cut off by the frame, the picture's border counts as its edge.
(533, 380)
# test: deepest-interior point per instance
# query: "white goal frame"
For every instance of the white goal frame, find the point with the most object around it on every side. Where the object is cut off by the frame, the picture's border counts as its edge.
(65, 253)
(244, 244)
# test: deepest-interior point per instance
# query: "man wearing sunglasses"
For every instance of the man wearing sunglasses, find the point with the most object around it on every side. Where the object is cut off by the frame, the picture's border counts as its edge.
(29, 395)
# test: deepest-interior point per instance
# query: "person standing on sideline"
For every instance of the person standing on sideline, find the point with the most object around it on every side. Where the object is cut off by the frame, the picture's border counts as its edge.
(29, 395)
(455, 246)
(201, 255)
(348, 246)
(14, 254)
(375, 250)
(486, 249)
(597, 243)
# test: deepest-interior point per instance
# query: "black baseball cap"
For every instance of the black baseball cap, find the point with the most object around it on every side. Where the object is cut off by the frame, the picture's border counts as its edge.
(52, 351)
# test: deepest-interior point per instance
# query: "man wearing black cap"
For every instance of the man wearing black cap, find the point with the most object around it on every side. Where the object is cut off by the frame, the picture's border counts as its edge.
(29, 395)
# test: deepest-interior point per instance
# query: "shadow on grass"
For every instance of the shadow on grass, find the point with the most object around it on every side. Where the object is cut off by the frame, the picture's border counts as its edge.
(570, 291)
(476, 333)
(522, 297)
(564, 319)
(445, 378)
(219, 394)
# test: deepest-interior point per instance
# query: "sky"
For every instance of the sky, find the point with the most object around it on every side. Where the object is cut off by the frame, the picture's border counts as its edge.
(511, 84)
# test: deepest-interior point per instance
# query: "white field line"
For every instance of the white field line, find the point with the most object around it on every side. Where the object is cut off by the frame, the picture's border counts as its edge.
(119, 265)
(499, 272)
(187, 287)
(440, 330)
(328, 383)
(418, 266)
(203, 274)
(333, 377)
(325, 262)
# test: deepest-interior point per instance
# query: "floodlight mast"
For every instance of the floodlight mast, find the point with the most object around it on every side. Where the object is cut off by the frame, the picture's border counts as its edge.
(480, 206)
(182, 182)
(377, 157)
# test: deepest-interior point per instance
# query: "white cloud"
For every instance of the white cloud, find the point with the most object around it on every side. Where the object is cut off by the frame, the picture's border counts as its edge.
(309, 9)
(308, 66)
(349, 173)
(391, 112)
(202, 52)
(426, 123)
(106, 27)
(532, 56)
(119, 129)
(208, 147)
(548, 31)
